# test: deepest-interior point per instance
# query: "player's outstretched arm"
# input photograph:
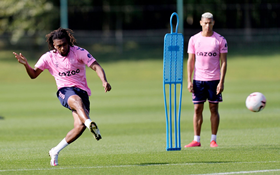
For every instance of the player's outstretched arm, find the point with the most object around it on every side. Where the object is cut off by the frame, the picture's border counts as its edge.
(33, 73)
(101, 74)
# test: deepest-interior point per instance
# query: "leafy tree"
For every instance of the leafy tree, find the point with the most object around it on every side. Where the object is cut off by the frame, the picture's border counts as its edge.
(21, 17)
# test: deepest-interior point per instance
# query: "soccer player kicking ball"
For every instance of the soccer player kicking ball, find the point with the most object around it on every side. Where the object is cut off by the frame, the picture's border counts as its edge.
(66, 62)
(208, 63)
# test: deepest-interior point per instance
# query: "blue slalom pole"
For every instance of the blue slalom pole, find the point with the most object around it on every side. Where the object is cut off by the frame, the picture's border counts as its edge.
(173, 75)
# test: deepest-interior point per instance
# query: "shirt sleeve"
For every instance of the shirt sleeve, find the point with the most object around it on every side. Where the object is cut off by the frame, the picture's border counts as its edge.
(42, 63)
(191, 46)
(224, 46)
(85, 56)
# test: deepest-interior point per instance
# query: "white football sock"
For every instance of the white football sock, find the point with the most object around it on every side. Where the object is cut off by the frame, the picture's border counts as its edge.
(196, 138)
(60, 146)
(213, 137)
(87, 123)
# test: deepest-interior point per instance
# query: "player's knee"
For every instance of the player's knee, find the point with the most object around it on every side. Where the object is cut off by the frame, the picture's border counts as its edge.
(198, 109)
(80, 127)
(214, 109)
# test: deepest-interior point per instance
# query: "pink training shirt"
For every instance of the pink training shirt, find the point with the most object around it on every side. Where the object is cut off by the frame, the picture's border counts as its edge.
(207, 55)
(70, 70)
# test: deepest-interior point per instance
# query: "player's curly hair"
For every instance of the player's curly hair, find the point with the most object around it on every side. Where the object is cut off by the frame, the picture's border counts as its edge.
(60, 33)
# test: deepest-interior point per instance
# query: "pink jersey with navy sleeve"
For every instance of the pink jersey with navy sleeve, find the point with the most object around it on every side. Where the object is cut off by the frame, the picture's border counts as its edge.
(207, 55)
(70, 70)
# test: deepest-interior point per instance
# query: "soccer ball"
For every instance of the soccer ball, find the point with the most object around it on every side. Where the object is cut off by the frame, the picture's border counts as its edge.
(256, 102)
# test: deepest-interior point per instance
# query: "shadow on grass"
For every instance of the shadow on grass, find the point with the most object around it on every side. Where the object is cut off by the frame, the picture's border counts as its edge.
(185, 163)
(2, 118)
(152, 164)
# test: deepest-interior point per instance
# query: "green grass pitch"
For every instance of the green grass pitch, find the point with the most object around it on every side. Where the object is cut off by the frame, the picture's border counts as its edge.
(131, 119)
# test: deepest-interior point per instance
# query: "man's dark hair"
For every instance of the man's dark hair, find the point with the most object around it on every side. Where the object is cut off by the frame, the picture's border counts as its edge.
(60, 33)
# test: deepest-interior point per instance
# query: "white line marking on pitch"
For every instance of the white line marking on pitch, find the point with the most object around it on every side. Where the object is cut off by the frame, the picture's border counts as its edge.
(156, 164)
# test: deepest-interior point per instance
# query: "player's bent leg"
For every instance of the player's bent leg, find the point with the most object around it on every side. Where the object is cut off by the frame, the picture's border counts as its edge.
(77, 131)
(76, 104)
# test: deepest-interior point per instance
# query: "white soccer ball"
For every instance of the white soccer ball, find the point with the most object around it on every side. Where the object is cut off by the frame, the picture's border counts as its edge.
(256, 102)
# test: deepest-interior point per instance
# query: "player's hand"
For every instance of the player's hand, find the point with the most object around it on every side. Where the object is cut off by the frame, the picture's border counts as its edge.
(220, 88)
(190, 87)
(107, 86)
(21, 59)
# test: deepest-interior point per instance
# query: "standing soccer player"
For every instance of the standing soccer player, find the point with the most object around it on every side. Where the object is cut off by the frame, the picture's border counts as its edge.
(207, 63)
(66, 62)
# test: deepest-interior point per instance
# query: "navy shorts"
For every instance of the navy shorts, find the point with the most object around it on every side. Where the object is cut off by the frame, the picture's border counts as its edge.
(64, 93)
(206, 90)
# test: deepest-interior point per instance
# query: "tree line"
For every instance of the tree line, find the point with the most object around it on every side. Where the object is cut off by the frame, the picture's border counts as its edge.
(28, 17)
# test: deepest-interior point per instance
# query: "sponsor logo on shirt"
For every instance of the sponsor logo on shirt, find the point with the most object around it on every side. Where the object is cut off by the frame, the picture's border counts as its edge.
(69, 73)
(209, 54)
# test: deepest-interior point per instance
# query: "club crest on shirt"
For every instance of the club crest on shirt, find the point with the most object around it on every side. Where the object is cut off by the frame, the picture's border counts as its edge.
(72, 60)
(56, 64)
